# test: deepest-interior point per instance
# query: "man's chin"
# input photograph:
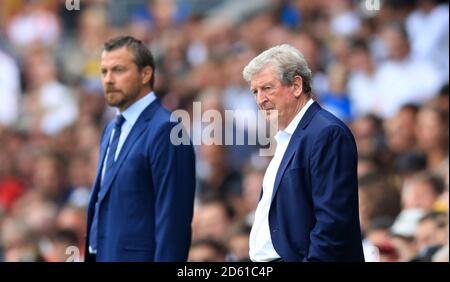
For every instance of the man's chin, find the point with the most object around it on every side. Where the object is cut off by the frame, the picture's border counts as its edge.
(114, 103)
(112, 99)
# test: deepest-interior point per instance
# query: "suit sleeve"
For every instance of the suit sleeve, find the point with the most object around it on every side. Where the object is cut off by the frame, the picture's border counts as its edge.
(333, 166)
(173, 168)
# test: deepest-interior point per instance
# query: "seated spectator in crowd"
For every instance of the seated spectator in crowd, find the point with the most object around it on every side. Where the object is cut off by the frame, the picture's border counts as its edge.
(431, 235)
(377, 198)
(422, 191)
(403, 233)
(361, 83)
(378, 235)
(49, 106)
(367, 164)
(433, 137)
(73, 218)
(207, 250)
(403, 79)
(369, 135)
(336, 99)
(63, 247)
(217, 178)
(212, 219)
(35, 22)
(427, 28)
(238, 243)
(409, 164)
(18, 242)
(401, 130)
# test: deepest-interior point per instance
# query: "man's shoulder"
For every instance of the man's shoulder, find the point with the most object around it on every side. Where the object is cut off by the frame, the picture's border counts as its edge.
(162, 115)
(162, 121)
(324, 119)
(324, 122)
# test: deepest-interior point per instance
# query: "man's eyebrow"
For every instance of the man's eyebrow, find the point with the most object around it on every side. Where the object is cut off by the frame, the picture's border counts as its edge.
(265, 84)
(112, 67)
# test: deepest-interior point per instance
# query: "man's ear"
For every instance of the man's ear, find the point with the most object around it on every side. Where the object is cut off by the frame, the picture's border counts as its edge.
(146, 74)
(298, 86)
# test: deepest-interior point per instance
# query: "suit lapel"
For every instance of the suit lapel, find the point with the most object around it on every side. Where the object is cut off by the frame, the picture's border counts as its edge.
(98, 175)
(290, 152)
(293, 146)
(138, 128)
(310, 113)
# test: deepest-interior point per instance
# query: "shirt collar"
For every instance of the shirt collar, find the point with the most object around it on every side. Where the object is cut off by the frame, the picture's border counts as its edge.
(132, 113)
(294, 123)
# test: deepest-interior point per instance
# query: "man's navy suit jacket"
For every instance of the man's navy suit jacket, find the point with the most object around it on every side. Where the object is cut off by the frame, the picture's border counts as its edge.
(145, 212)
(314, 209)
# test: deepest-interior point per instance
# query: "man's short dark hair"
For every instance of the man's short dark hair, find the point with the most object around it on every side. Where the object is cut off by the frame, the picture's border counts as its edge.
(217, 246)
(435, 182)
(414, 108)
(438, 217)
(142, 55)
(359, 44)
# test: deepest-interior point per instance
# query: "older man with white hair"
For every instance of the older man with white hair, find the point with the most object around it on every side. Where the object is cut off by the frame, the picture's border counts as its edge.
(308, 209)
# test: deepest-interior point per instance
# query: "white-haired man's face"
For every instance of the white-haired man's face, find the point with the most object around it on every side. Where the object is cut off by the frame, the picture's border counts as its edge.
(274, 98)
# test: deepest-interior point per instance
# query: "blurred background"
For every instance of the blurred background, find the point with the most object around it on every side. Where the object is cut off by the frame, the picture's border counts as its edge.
(380, 66)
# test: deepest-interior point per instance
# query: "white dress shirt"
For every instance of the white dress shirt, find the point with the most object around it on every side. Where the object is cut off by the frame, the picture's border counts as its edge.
(261, 247)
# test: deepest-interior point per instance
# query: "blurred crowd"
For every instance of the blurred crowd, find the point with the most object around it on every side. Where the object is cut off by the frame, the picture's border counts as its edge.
(383, 71)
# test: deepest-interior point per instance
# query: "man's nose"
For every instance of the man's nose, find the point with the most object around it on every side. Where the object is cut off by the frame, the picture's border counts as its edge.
(108, 78)
(260, 97)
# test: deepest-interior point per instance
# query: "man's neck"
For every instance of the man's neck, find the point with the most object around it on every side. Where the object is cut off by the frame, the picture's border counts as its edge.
(303, 100)
(141, 94)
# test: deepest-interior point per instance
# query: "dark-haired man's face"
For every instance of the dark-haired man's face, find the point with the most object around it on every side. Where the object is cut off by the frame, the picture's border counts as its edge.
(122, 81)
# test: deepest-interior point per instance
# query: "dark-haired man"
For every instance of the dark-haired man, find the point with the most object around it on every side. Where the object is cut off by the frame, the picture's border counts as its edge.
(142, 199)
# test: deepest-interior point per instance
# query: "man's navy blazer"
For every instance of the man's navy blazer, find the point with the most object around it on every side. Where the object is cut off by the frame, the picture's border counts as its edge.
(314, 209)
(145, 212)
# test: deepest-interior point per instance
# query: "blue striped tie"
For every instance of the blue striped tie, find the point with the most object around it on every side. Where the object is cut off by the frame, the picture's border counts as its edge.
(115, 141)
